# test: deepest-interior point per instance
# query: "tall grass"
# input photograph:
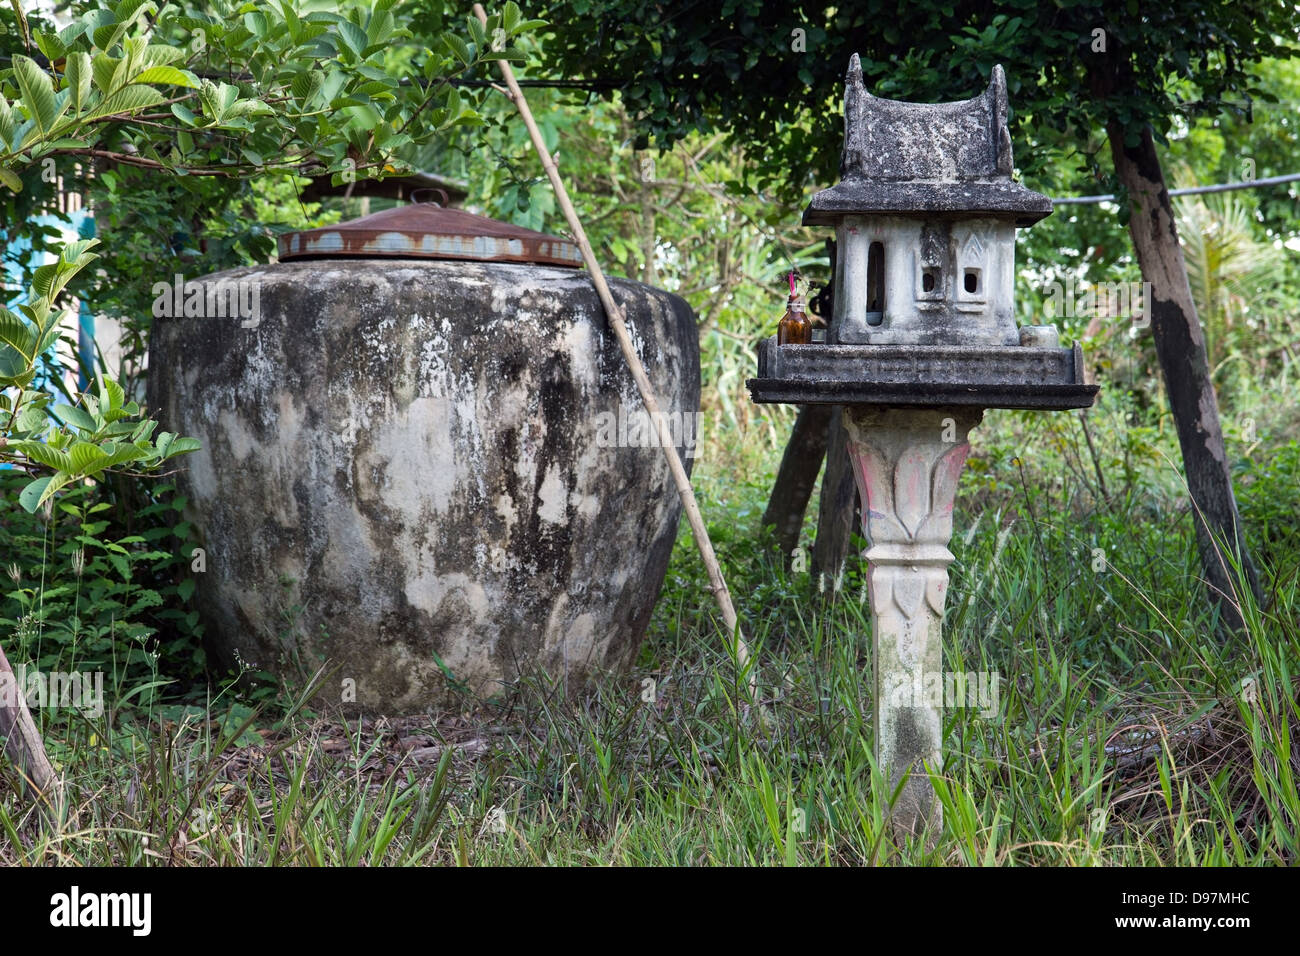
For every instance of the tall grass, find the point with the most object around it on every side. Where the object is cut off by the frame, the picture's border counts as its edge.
(1130, 728)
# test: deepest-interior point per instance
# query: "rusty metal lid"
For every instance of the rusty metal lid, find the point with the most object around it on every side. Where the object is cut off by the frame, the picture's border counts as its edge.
(426, 230)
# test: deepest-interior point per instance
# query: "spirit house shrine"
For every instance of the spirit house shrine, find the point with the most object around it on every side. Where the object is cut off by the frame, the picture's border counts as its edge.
(922, 339)
(925, 219)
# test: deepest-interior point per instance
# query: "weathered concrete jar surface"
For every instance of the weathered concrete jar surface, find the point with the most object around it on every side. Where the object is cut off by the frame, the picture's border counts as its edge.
(412, 467)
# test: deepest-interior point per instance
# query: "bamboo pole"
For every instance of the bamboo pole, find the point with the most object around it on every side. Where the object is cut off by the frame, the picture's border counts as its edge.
(616, 320)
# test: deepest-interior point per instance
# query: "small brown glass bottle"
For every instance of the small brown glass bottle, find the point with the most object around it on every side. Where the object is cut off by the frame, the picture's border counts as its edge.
(795, 329)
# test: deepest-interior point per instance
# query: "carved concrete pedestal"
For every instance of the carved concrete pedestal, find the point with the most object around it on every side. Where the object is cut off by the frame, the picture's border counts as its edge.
(907, 463)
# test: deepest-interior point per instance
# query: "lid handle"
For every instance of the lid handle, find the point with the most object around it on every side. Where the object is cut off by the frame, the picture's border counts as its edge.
(416, 193)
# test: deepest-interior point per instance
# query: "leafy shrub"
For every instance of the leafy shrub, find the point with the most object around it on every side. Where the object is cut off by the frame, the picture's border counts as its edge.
(91, 591)
(1269, 500)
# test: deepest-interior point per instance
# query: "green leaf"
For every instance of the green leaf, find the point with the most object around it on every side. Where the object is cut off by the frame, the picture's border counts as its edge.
(111, 396)
(16, 333)
(249, 107)
(37, 93)
(69, 34)
(8, 124)
(374, 73)
(51, 45)
(48, 331)
(210, 28)
(48, 280)
(332, 84)
(106, 37)
(78, 73)
(104, 67)
(158, 54)
(10, 179)
(140, 689)
(77, 417)
(74, 253)
(86, 458)
(14, 370)
(311, 31)
(43, 454)
(306, 85)
(380, 27)
(120, 563)
(34, 493)
(129, 99)
(291, 22)
(179, 446)
(512, 53)
(44, 279)
(216, 99)
(168, 75)
(353, 37)
(510, 16)
(459, 49)
(32, 419)
(476, 32)
(256, 23)
(110, 455)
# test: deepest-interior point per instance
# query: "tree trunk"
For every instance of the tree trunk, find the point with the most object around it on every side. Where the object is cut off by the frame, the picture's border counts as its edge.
(22, 742)
(1180, 348)
(646, 232)
(800, 465)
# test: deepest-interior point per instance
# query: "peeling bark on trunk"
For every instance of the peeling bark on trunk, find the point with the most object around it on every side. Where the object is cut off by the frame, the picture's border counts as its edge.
(22, 742)
(1180, 348)
(800, 465)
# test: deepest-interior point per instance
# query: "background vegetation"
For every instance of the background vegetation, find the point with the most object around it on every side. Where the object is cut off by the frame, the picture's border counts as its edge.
(1126, 731)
